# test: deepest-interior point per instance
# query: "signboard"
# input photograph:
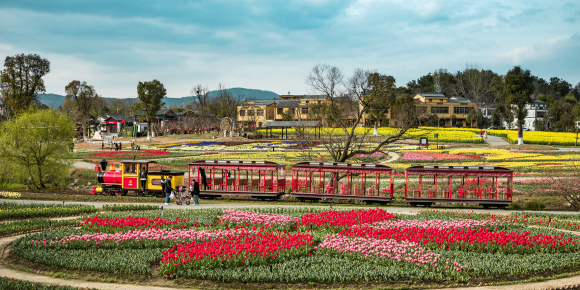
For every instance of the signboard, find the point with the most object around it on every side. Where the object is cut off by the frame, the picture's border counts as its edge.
(424, 141)
(129, 182)
(111, 122)
(155, 181)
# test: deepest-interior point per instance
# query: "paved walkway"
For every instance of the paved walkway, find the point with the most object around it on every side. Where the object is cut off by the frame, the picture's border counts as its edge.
(394, 156)
(84, 165)
(494, 141)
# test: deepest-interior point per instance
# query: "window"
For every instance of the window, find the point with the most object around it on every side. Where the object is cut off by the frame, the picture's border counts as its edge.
(259, 124)
(439, 110)
(305, 111)
(462, 110)
(259, 112)
(250, 112)
(280, 111)
(293, 111)
(421, 110)
(242, 113)
(430, 100)
(307, 102)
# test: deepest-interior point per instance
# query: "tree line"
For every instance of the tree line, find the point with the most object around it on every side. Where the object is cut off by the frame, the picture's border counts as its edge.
(22, 82)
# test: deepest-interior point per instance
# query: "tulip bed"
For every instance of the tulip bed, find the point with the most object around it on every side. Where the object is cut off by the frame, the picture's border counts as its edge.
(298, 245)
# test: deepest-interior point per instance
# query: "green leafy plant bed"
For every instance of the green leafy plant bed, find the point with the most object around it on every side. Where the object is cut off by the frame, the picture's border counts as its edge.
(88, 197)
(6, 283)
(27, 226)
(298, 246)
(129, 207)
(11, 211)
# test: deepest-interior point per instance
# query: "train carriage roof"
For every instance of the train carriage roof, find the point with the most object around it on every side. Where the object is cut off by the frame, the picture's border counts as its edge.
(138, 161)
(238, 165)
(459, 169)
(340, 166)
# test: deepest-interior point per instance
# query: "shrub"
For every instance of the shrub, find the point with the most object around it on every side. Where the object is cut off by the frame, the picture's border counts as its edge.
(516, 205)
(535, 205)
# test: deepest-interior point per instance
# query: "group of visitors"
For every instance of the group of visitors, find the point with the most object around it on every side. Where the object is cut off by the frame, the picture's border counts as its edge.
(135, 146)
(483, 134)
(167, 189)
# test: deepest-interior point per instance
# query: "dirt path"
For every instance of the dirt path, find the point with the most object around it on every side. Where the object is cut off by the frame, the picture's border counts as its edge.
(394, 156)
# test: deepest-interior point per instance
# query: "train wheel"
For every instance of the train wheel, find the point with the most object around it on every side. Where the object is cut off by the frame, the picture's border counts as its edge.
(124, 192)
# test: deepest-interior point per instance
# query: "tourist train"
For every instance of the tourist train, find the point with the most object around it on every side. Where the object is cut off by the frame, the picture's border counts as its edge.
(487, 186)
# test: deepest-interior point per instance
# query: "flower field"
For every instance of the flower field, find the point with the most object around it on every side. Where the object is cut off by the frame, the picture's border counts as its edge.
(299, 245)
(9, 194)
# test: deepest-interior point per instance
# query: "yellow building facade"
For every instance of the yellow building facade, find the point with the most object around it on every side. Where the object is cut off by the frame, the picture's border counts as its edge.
(437, 105)
(296, 107)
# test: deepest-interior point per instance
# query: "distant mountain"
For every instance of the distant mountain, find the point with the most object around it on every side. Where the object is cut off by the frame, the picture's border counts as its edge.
(54, 100)
(51, 100)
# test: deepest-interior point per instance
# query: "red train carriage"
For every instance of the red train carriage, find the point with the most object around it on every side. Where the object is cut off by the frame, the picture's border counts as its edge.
(368, 182)
(484, 185)
(258, 179)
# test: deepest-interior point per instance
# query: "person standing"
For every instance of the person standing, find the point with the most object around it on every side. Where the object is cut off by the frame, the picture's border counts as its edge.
(203, 178)
(195, 192)
(143, 178)
(166, 187)
(102, 145)
(485, 134)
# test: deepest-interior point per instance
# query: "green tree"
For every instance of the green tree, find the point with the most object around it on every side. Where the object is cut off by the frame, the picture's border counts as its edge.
(84, 97)
(150, 95)
(381, 97)
(38, 142)
(518, 88)
(22, 81)
(559, 88)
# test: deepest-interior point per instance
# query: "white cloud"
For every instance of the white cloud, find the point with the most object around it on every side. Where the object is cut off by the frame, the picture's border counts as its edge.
(540, 50)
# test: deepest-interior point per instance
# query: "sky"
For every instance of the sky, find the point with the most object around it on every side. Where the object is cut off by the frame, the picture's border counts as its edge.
(272, 45)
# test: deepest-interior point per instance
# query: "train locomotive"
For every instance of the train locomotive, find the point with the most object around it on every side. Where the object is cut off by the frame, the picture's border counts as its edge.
(133, 175)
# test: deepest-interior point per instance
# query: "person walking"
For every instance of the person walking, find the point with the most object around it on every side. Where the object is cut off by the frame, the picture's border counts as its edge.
(194, 189)
(485, 134)
(203, 178)
(166, 187)
(102, 145)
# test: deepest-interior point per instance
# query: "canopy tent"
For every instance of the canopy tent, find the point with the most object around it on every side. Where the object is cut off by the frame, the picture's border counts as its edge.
(290, 124)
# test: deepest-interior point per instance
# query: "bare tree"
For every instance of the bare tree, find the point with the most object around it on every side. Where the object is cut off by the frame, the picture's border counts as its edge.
(201, 98)
(563, 187)
(346, 110)
(475, 83)
(84, 96)
(226, 104)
